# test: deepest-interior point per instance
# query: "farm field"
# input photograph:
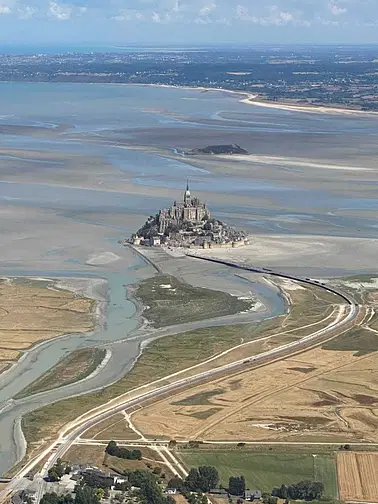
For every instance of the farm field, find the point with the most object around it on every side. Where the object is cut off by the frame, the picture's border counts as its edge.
(323, 395)
(263, 471)
(36, 310)
(113, 428)
(358, 476)
(95, 455)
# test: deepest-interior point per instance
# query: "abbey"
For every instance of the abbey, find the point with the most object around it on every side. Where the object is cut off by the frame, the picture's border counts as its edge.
(187, 224)
(190, 210)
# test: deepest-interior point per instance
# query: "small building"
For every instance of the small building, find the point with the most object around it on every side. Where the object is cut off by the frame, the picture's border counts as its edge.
(171, 491)
(219, 492)
(120, 480)
(155, 241)
(251, 495)
(31, 493)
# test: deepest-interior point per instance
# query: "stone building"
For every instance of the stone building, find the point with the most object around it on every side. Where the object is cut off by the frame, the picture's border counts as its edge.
(190, 210)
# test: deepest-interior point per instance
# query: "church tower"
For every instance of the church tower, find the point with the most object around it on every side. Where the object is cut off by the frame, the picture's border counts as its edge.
(187, 198)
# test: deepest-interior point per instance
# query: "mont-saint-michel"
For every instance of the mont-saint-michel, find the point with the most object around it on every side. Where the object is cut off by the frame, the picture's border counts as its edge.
(187, 223)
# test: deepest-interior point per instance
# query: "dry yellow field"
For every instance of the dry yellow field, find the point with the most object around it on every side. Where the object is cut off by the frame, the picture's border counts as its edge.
(34, 310)
(115, 427)
(319, 395)
(81, 454)
(358, 476)
(84, 454)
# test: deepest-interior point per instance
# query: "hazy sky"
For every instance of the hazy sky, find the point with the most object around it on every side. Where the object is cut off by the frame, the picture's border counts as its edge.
(188, 21)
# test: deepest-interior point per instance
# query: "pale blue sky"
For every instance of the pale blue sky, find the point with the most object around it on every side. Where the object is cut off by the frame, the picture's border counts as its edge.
(188, 21)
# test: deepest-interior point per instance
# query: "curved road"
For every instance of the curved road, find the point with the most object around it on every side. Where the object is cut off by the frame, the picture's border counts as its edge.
(347, 315)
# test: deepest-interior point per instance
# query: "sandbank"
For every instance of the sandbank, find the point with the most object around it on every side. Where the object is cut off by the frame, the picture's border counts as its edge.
(311, 253)
(313, 109)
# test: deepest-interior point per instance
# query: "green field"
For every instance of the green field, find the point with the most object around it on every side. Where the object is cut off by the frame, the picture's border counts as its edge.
(171, 301)
(263, 471)
(359, 340)
(75, 367)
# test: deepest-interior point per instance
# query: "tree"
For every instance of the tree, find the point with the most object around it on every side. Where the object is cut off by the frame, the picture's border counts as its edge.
(111, 448)
(176, 482)
(58, 470)
(116, 451)
(304, 490)
(49, 498)
(209, 476)
(236, 485)
(94, 480)
(53, 475)
(193, 480)
(202, 479)
(86, 495)
(53, 498)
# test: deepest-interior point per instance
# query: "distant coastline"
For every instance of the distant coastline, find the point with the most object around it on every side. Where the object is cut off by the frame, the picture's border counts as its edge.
(252, 99)
(247, 97)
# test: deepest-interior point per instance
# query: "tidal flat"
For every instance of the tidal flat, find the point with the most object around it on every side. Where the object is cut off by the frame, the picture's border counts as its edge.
(83, 166)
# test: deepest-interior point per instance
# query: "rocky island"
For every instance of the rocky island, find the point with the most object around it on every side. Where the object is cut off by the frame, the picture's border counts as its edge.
(230, 149)
(187, 224)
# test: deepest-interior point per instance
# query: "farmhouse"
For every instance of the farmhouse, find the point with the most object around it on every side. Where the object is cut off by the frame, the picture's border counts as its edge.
(251, 495)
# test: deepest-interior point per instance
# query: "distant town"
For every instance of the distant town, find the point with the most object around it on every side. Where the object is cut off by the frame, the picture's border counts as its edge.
(343, 76)
(187, 224)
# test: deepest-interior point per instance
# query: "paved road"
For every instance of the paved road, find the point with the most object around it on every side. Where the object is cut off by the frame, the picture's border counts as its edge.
(347, 315)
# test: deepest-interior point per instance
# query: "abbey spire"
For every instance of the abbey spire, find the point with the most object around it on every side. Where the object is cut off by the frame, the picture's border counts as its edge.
(187, 197)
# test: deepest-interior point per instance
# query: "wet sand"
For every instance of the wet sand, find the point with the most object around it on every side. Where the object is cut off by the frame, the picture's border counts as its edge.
(315, 255)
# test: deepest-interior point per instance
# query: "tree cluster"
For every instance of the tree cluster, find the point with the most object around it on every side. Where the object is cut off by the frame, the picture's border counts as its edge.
(195, 498)
(148, 487)
(95, 480)
(202, 479)
(236, 485)
(304, 490)
(123, 453)
(87, 495)
(53, 498)
(269, 499)
(58, 470)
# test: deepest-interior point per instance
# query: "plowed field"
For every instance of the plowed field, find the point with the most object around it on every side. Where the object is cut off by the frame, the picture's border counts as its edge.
(358, 476)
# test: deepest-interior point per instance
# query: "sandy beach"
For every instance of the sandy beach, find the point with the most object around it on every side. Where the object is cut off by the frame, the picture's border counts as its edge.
(252, 99)
(313, 109)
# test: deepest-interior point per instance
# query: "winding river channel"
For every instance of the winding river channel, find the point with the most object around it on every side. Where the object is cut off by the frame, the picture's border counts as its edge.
(119, 335)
